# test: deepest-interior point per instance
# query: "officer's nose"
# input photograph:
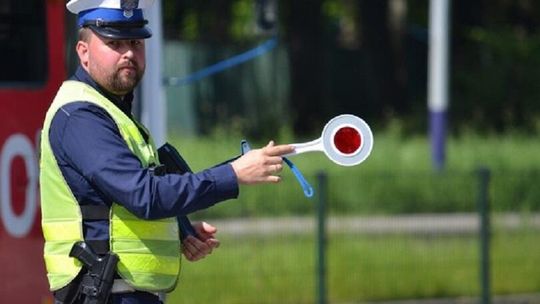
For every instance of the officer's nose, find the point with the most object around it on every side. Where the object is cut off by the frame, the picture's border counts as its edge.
(128, 51)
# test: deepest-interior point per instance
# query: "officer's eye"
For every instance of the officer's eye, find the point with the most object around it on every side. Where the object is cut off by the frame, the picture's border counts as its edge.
(113, 44)
(136, 42)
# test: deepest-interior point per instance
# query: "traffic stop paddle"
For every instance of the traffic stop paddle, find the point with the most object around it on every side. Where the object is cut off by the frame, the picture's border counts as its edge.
(346, 140)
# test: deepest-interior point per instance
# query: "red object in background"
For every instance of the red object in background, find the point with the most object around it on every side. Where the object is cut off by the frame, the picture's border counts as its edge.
(23, 105)
(347, 140)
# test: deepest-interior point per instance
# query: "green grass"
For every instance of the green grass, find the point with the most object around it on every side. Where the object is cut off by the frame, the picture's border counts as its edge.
(392, 152)
(281, 269)
(396, 178)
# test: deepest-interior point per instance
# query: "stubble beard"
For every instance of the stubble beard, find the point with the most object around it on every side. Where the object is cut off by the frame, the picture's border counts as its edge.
(122, 83)
(118, 82)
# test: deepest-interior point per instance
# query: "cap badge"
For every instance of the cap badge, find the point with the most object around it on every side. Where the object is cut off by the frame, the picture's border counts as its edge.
(128, 6)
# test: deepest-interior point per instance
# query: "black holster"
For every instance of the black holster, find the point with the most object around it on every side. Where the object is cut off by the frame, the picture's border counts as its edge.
(94, 284)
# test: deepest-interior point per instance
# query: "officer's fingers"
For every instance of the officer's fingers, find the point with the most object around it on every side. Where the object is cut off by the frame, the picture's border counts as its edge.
(278, 150)
(194, 245)
(200, 245)
(188, 249)
(188, 255)
(197, 249)
(274, 179)
(273, 160)
(190, 243)
(212, 243)
(268, 146)
(272, 169)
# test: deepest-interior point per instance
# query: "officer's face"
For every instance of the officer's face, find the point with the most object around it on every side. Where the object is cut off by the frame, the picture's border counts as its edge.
(116, 65)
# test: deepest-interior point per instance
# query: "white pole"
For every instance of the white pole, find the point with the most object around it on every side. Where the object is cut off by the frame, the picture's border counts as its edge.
(153, 114)
(438, 78)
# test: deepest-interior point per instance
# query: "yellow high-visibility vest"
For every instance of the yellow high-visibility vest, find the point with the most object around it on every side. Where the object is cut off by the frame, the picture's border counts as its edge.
(148, 250)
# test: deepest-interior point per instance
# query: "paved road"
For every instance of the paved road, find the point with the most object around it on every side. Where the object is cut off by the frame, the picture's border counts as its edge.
(461, 223)
(510, 299)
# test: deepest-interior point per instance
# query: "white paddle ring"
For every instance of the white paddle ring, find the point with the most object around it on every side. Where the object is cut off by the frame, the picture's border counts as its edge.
(346, 140)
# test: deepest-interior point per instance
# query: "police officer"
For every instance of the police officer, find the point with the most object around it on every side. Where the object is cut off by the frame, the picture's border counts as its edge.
(97, 180)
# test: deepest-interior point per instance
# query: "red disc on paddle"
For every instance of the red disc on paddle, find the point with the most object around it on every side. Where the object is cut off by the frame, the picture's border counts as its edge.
(347, 140)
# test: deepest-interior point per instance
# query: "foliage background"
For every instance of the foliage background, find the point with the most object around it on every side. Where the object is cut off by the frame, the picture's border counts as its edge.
(363, 57)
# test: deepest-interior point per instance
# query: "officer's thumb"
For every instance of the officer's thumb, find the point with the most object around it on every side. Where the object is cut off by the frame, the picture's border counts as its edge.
(207, 228)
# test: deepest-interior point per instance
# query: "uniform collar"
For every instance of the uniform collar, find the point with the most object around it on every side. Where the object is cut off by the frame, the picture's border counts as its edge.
(123, 104)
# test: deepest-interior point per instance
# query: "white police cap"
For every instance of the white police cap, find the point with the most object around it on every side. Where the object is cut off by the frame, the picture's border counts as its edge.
(115, 19)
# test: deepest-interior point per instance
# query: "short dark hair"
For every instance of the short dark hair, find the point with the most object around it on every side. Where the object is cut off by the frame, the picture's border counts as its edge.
(84, 34)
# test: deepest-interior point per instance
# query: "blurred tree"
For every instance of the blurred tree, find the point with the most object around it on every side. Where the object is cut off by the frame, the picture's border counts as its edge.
(202, 21)
(367, 57)
(303, 24)
(496, 59)
(386, 88)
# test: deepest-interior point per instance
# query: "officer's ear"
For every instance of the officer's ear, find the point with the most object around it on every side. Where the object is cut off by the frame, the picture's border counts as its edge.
(85, 35)
(82, 52)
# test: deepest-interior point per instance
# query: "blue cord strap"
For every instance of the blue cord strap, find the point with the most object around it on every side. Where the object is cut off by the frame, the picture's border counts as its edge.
(308, 190)
(264, 47)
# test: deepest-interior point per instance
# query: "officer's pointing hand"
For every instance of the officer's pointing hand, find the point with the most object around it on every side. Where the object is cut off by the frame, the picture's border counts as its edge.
(261, 165)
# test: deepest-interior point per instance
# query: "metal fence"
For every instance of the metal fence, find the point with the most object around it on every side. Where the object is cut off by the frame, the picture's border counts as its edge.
(325, 254)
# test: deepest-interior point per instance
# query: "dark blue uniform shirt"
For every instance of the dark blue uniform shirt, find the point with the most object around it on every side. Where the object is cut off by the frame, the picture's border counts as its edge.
(100, 169)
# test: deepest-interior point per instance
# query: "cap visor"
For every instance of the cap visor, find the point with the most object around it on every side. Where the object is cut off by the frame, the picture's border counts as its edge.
(124, 33)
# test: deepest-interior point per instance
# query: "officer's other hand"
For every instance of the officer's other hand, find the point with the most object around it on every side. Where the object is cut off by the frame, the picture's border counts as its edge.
(261, 165)
(197, 247)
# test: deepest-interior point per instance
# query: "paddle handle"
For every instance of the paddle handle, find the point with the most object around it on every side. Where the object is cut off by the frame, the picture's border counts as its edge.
(314, 145)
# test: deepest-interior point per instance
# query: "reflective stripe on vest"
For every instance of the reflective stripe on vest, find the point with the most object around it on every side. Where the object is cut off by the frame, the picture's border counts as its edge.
(149, 251)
